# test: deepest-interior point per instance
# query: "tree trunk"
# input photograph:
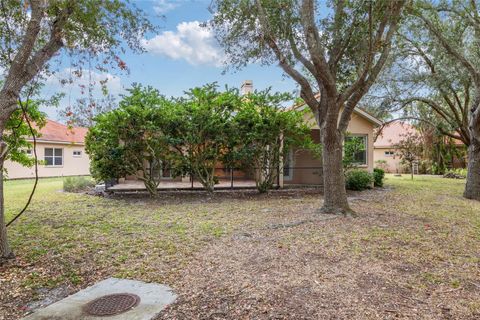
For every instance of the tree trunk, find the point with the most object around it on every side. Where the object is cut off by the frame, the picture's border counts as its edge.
(472, 187)
(151, 187)
(335, 196)
(5, 251)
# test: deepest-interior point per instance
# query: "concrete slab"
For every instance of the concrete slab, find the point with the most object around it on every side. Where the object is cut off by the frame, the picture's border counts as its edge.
(153, 299)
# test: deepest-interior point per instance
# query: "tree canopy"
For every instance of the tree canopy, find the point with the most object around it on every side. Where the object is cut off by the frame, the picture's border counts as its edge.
(34, 32)
(434, 78)
(334, 50)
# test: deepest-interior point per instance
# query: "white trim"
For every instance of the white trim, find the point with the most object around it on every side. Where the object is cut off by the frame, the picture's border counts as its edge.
(162, 177)
(53, 156)
(28, 154)
(359, 111)
(368, 116)
(58, 142)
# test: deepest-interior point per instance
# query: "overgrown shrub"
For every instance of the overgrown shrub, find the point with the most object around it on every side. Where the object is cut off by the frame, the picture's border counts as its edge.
(378, 175)
(456, 174)
(77, 184)
(358, 180)
(192, 135)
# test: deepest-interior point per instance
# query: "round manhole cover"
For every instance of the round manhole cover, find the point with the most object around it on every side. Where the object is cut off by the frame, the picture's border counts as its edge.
(112, 304)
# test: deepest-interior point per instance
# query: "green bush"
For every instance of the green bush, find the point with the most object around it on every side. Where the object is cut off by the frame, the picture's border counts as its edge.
(77, 184)
(456, 174)
(378, 175)
(358, 180)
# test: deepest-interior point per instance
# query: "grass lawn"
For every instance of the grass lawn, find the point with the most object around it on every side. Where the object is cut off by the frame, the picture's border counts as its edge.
(413, 251)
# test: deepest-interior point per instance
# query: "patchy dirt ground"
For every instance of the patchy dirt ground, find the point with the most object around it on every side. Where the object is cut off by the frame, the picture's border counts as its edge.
(386, 264)
(413, 252)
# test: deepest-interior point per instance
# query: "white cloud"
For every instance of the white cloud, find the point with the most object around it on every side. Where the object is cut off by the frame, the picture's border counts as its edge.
(163, 6)
(190, 42)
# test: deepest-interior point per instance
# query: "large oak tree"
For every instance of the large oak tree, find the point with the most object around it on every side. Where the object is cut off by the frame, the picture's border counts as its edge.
(454, 28)
(333, 50)
(33, 32)
(433, 76)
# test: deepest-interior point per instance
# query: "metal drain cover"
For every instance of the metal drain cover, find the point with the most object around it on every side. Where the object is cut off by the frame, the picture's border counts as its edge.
(112, 304)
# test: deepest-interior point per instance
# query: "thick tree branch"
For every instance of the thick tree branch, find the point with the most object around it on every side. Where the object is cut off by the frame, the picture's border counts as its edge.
(432, 124)
(55, 43)
(358, 89)
(316, 50)
(303, 60)
(32, 63)
(339, 43)
(307, 93)
(452, 51)
(31, 34)
(460, 119)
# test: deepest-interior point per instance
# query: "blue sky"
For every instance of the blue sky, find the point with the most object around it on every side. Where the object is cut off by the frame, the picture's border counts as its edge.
(182, 55)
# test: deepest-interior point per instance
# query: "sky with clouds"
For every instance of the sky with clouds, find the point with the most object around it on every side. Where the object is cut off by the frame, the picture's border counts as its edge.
(180, 56)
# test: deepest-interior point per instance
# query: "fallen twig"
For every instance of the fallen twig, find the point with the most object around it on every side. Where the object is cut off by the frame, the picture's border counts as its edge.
(449, 290)
(297, 223)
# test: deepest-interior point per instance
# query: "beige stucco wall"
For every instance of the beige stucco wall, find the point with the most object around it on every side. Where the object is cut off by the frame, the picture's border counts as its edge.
(307, 167)
(393, 162)
(72, 166)
(306, 170)
(360, 126)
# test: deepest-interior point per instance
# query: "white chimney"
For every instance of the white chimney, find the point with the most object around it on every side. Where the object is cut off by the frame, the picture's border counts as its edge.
(247, 87)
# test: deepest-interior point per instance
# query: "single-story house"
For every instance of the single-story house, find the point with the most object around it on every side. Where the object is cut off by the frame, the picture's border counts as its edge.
(301, 167)
(384, 152)
(386, 156)
(61, 150)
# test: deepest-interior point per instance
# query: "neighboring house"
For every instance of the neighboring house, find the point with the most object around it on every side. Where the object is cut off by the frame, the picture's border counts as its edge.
(387, 157)
(61, 151)
(384, 146)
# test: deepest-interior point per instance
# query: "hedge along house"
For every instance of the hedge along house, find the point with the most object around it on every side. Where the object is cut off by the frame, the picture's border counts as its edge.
(302, 167)
(61, 151)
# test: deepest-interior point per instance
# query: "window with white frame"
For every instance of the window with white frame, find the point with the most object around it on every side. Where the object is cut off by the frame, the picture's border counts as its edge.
(360, 157)
(53, 157)
(77, 153)
(389, 153)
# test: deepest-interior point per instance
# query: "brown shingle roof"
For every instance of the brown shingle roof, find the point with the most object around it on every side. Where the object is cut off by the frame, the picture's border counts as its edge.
(55, 131)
